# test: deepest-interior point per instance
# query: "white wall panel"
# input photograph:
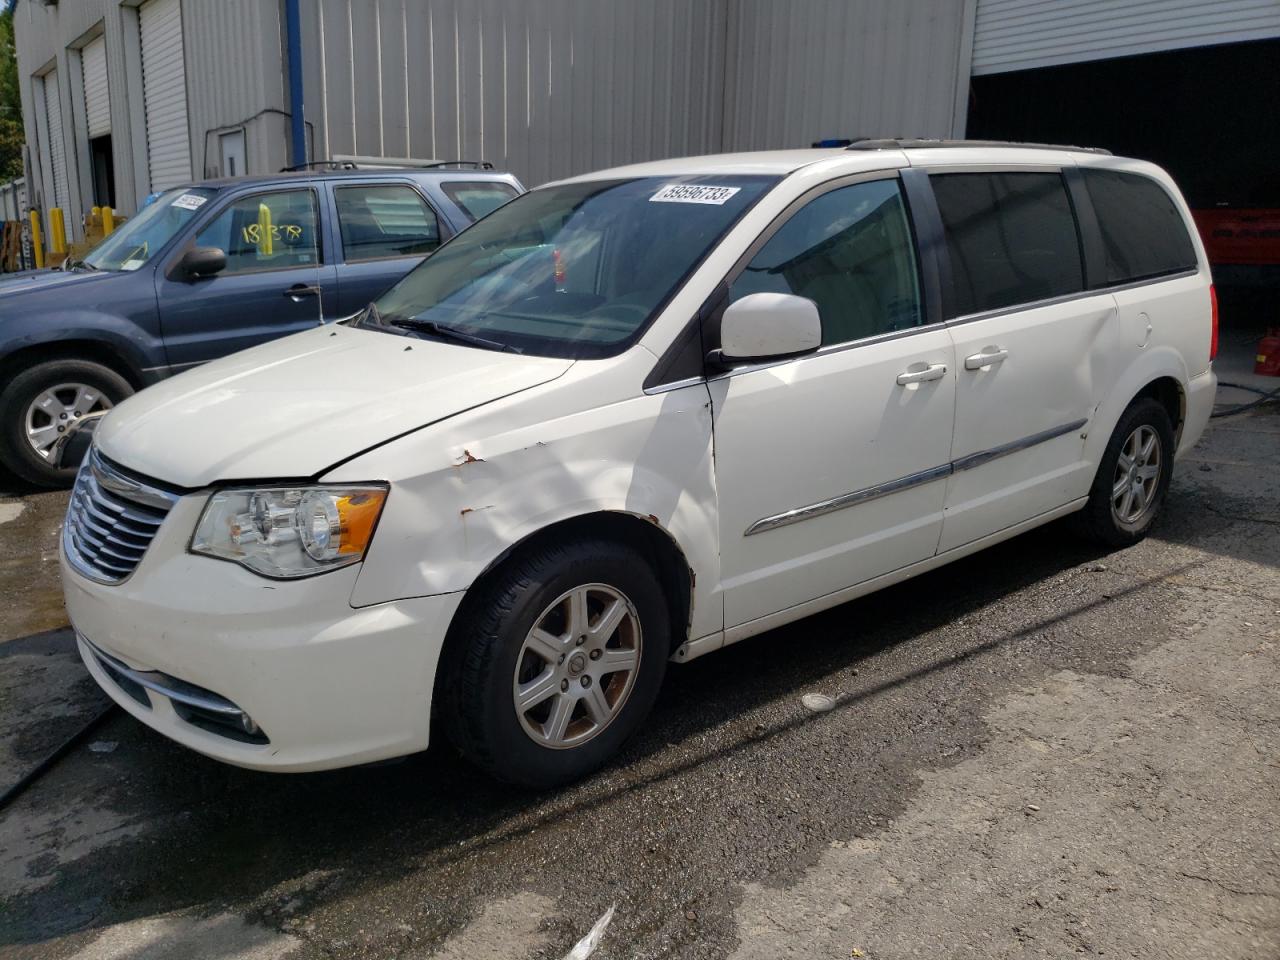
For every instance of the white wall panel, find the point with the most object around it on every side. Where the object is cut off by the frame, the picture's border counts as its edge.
(1022, 34)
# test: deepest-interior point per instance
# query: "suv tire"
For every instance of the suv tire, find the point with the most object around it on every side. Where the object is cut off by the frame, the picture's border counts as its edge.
(1133, 477)
(100, 386)
(519, 636)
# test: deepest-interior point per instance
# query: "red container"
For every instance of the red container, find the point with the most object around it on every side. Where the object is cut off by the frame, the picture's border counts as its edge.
(1267, 362)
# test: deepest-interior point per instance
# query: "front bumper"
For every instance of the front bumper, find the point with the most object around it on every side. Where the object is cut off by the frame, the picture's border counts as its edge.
(326, 685)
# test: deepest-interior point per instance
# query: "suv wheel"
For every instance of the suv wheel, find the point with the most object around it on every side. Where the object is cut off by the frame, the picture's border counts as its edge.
(1132, 478)
(557, 661)
(38, 406)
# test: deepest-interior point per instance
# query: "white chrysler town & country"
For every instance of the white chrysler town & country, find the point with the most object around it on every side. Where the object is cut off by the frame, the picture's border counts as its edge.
(633, 417)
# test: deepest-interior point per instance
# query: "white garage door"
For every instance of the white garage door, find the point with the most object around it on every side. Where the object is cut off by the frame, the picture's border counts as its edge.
(1021, 34)
(57, 153)
(164, 93)
(97, 107)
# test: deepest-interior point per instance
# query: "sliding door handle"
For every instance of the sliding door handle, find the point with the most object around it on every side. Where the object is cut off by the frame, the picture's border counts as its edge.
(935, 372)
(987, 358)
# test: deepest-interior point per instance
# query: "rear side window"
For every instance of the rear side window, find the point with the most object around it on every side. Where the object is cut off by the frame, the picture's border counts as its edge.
(385, 220)
(1012, 238)
(1143, 235)
(850, 252)
(478, 198)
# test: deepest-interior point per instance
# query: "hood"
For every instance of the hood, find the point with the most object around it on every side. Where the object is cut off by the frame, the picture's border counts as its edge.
(295, 406)
(29, 281)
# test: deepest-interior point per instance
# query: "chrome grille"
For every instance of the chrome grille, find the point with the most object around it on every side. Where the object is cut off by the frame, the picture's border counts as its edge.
(111, 519)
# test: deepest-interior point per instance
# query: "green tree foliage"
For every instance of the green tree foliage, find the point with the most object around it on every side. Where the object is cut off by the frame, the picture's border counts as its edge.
(11, 134)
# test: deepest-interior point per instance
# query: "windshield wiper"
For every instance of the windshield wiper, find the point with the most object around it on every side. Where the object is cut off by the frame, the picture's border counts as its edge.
(445, 332)
(74, 265)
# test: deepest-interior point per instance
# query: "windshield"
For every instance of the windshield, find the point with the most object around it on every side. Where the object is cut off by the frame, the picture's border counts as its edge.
(576, 270)
(139, 238)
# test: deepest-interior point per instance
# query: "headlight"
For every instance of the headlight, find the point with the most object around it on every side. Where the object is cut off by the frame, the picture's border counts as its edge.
(290, 531)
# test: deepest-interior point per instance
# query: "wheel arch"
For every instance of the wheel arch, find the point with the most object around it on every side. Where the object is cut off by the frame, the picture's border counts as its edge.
(82, 348)
(1168, 392)
(1160, 374)
(646, 534)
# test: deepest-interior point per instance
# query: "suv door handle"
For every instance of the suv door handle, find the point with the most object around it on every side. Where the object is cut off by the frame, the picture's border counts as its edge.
(935, 372)
(985, 359)
(300, 290)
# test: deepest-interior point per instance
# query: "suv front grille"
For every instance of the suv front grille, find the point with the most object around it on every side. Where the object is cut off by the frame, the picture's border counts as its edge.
(111, 519)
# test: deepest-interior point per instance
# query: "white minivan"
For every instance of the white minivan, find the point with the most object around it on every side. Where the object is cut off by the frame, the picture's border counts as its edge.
(631, 418)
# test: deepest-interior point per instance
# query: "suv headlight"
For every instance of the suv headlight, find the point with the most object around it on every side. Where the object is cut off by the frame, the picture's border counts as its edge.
(290, 531)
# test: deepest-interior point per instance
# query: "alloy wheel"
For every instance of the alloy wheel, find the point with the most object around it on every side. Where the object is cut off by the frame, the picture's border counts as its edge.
(1137, 476)
(52, 412)
(577, 666)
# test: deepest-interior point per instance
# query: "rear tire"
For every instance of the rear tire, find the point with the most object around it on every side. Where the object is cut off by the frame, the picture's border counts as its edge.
(1133, 477)
(43, 398)
(521, 639)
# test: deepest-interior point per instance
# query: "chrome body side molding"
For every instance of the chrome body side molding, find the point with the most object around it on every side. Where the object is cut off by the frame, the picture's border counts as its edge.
(868, 494)
(849, 499)
(995, 453)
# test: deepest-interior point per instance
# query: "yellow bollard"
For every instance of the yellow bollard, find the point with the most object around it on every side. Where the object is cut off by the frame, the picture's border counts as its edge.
(57, 231)
(37, 244)
(264, 225)
(108, 221)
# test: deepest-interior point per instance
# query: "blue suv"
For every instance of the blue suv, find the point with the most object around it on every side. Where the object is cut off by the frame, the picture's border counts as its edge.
(208, 269)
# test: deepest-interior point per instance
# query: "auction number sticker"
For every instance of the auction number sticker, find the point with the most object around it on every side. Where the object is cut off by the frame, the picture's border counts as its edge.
(693, 193)
(190, 201)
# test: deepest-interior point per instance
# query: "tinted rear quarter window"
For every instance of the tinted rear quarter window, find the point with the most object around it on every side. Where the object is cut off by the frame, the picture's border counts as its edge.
(478, 198)
(1143, 235)
(1012, 238)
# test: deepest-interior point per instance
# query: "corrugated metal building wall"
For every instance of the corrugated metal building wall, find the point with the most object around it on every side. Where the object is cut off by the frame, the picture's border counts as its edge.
(550, 88)
(545, 88)
(830, 68)
(1022, 34)
(234, 80)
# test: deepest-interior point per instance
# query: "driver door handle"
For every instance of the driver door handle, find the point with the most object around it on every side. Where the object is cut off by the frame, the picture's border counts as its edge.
(300, 290)
(980, 360)
(935, 372)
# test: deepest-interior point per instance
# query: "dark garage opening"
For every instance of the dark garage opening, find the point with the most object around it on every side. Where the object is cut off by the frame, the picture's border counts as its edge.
(1209, 115)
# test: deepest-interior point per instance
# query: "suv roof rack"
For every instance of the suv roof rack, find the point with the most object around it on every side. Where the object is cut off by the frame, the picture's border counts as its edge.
(361, 163)
(900, 143)
(319, 165)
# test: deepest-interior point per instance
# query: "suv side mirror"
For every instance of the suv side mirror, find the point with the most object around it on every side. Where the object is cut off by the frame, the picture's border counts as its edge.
(768, 326)
(201, 262)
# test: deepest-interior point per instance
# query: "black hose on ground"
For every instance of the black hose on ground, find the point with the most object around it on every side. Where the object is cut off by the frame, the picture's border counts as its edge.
(1242, 407)
(41, 768)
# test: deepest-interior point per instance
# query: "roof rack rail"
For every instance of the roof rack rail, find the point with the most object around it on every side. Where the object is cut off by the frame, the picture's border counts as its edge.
(902, 143)
(473, 164)
(362, 163)
(319, 165)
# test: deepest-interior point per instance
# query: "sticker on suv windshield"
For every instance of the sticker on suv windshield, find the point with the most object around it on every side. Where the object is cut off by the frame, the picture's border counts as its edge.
(693, 193)
(189, 201)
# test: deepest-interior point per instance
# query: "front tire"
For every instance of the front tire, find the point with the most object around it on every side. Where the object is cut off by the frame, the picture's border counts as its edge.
(1133, 477)
(555, 662)
(38, 405)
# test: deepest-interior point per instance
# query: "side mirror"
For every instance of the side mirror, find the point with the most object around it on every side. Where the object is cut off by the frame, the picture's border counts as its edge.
(201, 262)
(768, 326)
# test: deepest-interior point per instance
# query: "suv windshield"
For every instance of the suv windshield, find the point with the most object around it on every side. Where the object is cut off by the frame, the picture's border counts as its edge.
(575, 270)
(139, 238)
